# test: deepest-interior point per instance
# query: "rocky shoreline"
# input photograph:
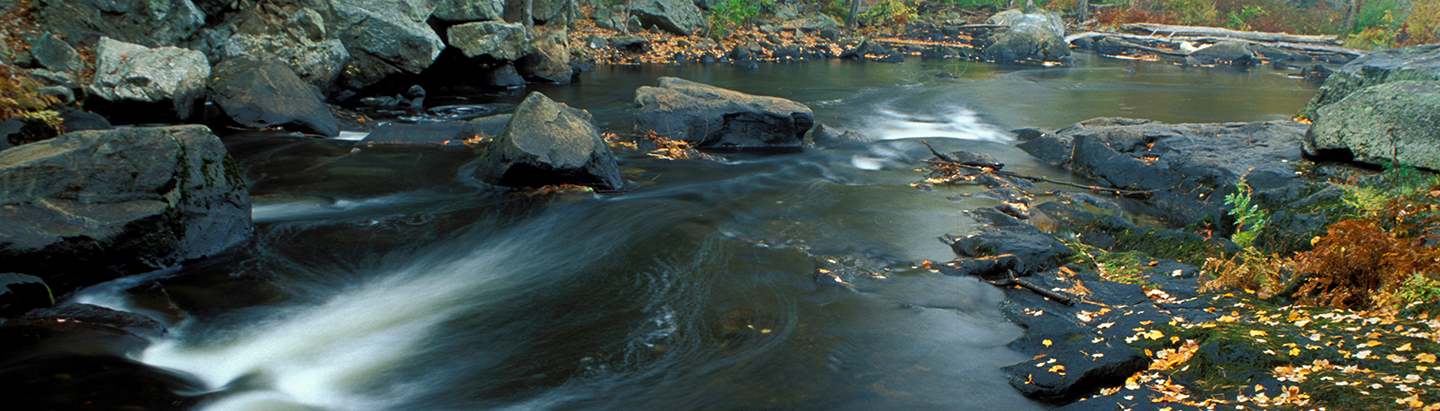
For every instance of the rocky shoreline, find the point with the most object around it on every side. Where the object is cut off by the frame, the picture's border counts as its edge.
(101, 202)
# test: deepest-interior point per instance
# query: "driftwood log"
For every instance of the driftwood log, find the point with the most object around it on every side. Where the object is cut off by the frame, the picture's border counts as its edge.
(1175, 45)
(1197, 31)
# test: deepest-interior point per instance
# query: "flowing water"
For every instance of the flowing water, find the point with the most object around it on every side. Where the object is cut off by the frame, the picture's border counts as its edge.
(387, 279)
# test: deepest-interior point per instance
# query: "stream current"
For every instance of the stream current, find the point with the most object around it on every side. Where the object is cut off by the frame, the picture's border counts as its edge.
(387, 279)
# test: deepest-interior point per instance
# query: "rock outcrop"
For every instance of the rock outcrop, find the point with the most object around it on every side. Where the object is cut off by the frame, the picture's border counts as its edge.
(676, 16)
(152, 23)
(91, 206)
(1186, 168)
(709, 116)
(136, 84)
(548, 143)
(469, 10)
(261, 94)
(1380, 108)
(384, 38)
(1032, 38)
(547, 58)
(495, 39)
(1225, 53)
(1397, 122)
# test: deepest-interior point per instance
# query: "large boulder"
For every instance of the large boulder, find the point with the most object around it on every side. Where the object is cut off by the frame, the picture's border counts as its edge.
(709, 116)
(1392, 122)
(496, 39)
(676, 16)
(384, 38)
(1184, 169)
(135, 84)
(262, 94)
(92, 206)
(468, 10)
(548, 143)
(1032, 38)
(547, 58)
(1225, 53)
(1406, 63)
(317, 63)
(152, 23)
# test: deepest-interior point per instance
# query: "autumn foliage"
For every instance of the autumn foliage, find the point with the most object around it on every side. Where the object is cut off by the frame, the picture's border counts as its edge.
(1362, 263)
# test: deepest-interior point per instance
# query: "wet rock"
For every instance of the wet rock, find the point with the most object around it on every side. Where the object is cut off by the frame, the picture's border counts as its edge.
(1392, 122)
(1036, 250)
(259, 94)
(82, 353)
(547, 59)
(548, 143)
(552, 13)
(1406, 63)
(20, 293)
(135, 84)
(495, 39)
(54, 54)
(1033, 38)
(317, 63)
(709, 116)
(1225, 53)
(674, 16)
(499, 75)
(628, 42)
(151, 23)
(1315, 74)
(821, 132)
(872, 50)
(383, 38)
(449, 133)
(91, 206)
(1188, 167)
(469, 10)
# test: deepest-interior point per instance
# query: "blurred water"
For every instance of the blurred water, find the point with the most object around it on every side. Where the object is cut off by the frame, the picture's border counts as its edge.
(395, 284)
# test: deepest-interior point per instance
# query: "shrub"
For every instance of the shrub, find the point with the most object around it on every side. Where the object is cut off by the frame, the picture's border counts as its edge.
(888, 12)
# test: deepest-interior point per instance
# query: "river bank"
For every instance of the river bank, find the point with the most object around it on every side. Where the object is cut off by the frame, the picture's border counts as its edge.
(1127, 154)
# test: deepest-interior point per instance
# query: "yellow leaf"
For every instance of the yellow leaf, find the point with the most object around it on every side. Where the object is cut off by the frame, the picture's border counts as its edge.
(1373, 343)
(1057, 368)
(1046, 342)
(1425, 357)
(1257, 333)
(1403, 348)
(1294, 352)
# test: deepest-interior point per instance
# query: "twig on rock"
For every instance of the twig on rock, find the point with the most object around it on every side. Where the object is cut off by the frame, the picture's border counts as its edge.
(946, 160)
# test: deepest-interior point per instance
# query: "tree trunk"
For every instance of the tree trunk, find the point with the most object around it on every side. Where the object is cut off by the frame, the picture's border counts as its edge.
(854, 13)
(1350, 15)
(625, 25)
(529, 18)
(1084, 12)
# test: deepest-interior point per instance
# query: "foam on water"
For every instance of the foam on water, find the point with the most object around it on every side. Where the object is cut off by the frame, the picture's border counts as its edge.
(329, 356)
(945, 122)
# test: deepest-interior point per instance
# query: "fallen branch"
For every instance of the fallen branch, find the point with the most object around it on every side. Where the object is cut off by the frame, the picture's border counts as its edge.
(948, 161)
(1051, 294)
(1198, 31)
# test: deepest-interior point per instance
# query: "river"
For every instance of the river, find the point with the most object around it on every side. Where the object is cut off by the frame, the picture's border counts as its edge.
(387, 279)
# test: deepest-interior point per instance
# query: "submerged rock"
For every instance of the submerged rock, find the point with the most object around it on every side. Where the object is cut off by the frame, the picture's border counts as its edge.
(1033, 38)
(91, 206)
(1393, 122)
(548, 143)
(261, 94)
(136, 84)
(709, 116)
